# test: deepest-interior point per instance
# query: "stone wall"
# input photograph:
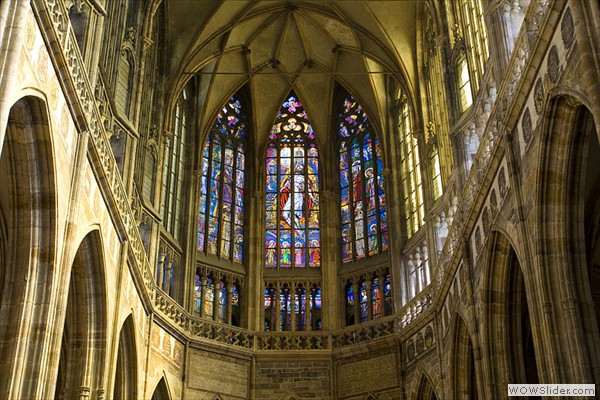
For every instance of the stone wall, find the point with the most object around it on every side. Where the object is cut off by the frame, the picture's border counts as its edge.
(304, 379)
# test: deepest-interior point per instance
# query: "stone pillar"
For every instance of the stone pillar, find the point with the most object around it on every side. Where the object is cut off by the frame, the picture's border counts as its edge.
(426, 264)
(418, 272)
(167, 284)
(411, 278)
(203, 298)
(161, 266)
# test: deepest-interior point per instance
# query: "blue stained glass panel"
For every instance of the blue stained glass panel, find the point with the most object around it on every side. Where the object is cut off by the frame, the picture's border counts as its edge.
(350, 296)
(364, 161)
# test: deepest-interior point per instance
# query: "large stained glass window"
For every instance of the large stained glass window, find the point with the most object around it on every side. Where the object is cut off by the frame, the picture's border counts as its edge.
(293, 238)
(362, 188)
(221, 210)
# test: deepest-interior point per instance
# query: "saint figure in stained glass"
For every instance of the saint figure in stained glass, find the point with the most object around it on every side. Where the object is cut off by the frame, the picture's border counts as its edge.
(362, 189)
(292, 237)
(221, 208)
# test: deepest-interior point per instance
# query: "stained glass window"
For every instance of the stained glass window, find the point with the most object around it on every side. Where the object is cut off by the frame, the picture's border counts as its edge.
(197, 295)
(387, 294)
(364, 305)
(438, 127)
(412, 182)
(174, 173)
(300, 308)
(270, 309)
(362, 188)
(376, 298)
(222, 310)
(209, 298)
(221, 210)
(285, 307)
(316, 308)
(293, 238)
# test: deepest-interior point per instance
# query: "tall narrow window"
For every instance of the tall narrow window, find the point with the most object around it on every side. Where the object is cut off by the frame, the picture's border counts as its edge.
(412, 183)
(221, 210)
(173, 174)
(465, 95)
(471, 40)
(362, 189)
(438, 127)
(293, 238)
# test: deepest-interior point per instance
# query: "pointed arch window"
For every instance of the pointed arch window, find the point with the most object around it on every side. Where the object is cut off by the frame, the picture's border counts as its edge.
(221, 209)
(362, 188)
(174, 168)
(293, 238)
(412, 182)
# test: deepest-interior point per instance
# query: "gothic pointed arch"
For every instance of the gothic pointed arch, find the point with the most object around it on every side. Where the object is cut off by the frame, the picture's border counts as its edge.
(126, 372)
(363, 201)
(462, 367)
(28, 205)
(293, 236)
(161, 391)
(425, 389)
(223, 184)
(80, 370)
(568, 223)
(507, 331)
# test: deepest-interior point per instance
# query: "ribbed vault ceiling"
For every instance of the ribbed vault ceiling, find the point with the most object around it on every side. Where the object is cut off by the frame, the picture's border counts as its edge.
(276, 46)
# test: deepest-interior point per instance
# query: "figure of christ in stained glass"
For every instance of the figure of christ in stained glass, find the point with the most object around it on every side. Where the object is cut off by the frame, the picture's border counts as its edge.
(292, 191)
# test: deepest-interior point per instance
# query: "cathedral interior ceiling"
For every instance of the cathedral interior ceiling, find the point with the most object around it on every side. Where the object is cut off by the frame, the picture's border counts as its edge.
(276, 46)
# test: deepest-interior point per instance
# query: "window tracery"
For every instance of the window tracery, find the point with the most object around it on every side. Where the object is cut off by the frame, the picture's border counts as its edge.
(293, 238)
(221, 208)
(363, 201)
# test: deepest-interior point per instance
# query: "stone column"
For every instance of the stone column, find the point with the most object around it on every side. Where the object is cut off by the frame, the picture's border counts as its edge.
(167, 285)
(203, 298)
(161, 266)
